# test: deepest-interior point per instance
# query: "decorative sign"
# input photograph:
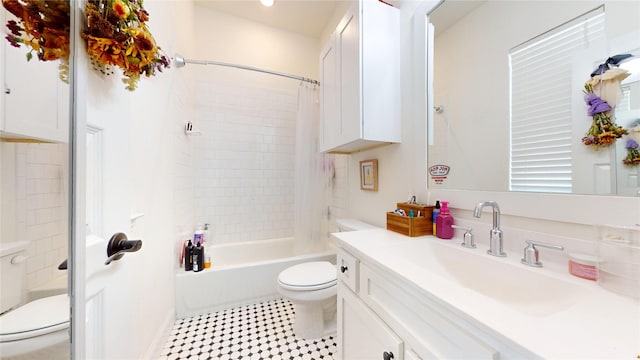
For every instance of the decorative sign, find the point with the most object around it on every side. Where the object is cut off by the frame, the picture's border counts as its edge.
(439, 173)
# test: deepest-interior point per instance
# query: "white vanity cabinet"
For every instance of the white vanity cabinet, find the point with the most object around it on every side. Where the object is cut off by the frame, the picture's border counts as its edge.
(35, 102)
(360, 80)
(386, 313)
(361, 333)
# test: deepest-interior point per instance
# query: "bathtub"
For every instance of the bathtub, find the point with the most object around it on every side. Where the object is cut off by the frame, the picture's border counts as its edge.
(241, 273)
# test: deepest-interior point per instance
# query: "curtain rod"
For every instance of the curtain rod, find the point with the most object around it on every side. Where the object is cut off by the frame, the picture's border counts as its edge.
(181, 62)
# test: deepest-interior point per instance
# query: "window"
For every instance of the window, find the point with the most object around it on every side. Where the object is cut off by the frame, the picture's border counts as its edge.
(541, 86)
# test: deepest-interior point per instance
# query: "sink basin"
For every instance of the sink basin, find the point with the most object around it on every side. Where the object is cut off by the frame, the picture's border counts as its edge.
(527, 290)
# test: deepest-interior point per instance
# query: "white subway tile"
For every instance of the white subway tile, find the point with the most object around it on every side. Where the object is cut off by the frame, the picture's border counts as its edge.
(35, 263)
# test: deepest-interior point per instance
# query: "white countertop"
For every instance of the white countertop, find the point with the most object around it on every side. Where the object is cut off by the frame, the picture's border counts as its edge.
(595, 324)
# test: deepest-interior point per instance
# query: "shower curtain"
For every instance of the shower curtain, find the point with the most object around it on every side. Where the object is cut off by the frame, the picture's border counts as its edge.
(310, 204)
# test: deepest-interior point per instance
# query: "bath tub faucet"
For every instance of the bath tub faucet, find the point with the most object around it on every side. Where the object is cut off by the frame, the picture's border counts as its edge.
(495, 239)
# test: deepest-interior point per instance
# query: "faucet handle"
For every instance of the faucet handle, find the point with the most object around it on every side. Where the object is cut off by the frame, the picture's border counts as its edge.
(468, 237)
(530, 256)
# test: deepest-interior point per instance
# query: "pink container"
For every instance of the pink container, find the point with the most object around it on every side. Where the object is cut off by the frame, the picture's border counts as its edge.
(584, 266)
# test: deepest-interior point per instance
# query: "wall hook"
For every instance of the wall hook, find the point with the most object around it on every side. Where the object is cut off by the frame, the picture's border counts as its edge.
(188, 130)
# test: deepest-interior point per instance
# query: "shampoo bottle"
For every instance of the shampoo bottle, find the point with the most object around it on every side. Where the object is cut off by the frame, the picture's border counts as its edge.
(435, 213)
(444, 222)
(198, 258)
(198, 236)
(188, 257)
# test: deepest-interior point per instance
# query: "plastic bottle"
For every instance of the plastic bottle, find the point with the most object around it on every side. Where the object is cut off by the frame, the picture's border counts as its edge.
(188, 256)
(444, 222)
(436, 212)
(206, 233)
(198, 236)
(198, 258)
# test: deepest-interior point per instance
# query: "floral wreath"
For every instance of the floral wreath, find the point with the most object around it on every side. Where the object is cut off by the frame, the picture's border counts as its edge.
(117, 35)
(42, 26)
(602, 95)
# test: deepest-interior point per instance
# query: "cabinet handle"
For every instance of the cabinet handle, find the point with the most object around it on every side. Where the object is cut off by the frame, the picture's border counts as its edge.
(343, 269)
(387, 355)
(7, 91)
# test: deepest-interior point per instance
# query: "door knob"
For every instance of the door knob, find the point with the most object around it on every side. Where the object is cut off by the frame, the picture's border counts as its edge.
(118, 245)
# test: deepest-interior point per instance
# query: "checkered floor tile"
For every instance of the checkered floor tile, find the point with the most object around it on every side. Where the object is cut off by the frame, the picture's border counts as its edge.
(259, 331)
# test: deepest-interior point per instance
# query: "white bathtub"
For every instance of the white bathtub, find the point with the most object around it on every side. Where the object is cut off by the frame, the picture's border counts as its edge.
(241, 273)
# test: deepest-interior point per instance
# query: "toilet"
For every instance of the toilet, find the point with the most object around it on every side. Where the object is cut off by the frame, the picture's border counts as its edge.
(312, 288)
(40, 326)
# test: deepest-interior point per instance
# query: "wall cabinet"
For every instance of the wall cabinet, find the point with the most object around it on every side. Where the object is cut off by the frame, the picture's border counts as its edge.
(360, 80)
(397, 317)
(35, 102)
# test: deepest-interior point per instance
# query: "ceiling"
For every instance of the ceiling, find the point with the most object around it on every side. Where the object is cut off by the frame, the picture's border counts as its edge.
(305, 17)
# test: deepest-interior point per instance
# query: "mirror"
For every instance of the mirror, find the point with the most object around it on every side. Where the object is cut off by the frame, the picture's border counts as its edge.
(34, 168)
(472, 105)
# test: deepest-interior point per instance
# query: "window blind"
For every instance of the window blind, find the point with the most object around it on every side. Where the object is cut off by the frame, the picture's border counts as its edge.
(541, 88)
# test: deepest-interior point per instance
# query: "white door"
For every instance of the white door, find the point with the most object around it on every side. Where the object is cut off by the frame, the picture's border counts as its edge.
(101, 327)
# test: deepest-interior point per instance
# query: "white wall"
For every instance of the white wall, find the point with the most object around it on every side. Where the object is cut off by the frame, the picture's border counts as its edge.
(401, 167)
(227, 38)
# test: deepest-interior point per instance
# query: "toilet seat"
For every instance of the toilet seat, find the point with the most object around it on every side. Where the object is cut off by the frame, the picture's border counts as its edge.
(315, 275)
(37, 318)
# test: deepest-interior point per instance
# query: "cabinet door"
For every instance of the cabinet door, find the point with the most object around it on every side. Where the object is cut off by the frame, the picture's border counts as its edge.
(36, 101)
(329, 116)
(348, 46)
(380, 58)
(361, 334)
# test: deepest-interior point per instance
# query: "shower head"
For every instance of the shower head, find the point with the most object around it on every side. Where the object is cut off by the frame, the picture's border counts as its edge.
(179, 61)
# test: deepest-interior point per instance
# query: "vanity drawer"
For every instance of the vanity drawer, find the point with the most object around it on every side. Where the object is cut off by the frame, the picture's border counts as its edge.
(348, 269)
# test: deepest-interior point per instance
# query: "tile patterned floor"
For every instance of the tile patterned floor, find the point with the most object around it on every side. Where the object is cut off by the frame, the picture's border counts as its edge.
(258, 331)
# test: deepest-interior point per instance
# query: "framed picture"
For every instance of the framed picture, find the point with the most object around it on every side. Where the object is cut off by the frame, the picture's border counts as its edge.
(369, 175)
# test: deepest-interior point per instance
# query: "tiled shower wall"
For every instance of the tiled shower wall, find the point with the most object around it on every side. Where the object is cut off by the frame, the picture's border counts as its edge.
(244, 167)
(244, 162)
(38, 173)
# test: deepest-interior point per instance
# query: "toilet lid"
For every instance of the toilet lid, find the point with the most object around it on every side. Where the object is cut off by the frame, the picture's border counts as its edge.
(309, 276)
(39, 317)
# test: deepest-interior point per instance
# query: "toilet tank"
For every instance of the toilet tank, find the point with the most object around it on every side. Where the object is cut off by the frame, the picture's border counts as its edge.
(352, 225)
(13, 267)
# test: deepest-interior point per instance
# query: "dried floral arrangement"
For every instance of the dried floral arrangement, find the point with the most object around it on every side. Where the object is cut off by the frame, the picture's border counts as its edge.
(633, 149)
(633, 153)
(117, 35)
(602, 95)
(43, 27)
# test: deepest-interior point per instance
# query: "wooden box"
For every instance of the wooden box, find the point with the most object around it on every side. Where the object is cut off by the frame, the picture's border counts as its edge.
(411, 226)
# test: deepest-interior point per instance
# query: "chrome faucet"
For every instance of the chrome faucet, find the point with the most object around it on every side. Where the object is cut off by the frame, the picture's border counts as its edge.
(495, 239)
